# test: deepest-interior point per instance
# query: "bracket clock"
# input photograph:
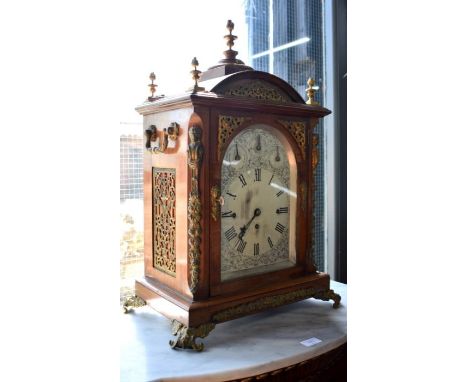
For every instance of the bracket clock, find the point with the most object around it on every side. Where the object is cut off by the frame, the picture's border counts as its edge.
(229, 173)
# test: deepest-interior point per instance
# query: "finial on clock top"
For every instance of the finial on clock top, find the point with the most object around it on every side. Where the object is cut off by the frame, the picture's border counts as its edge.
(230, 54)
(152, 87)
(195, 76)
(311, 92)
(229, 64)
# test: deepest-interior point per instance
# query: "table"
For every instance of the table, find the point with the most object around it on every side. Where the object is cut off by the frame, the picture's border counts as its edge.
(258, 344)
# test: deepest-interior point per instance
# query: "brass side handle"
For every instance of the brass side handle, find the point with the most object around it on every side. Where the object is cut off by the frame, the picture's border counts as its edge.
(173, 131)
(152, 135)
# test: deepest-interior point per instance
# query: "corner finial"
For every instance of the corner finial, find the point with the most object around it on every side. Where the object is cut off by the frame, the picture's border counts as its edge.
(195, 76)
(152, 87)
(311, 92)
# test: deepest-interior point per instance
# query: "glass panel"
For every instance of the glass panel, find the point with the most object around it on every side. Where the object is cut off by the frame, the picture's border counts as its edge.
(258, 214)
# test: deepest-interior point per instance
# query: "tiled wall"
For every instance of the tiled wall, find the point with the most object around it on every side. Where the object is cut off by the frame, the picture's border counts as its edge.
(131, 167)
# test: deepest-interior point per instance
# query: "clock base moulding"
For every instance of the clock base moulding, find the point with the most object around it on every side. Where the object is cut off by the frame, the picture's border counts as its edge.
(196, 319)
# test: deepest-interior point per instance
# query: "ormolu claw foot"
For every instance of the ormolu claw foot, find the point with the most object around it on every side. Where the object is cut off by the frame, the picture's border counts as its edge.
(326, 295)
(186, 336)
(132, 302)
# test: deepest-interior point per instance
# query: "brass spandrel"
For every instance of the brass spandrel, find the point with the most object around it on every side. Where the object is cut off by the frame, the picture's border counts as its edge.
(227, 126)
(297, 130)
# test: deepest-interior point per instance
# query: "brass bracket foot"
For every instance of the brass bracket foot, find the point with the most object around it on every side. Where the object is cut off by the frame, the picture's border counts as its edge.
(186, 336)
(132, 302)
(326, 295)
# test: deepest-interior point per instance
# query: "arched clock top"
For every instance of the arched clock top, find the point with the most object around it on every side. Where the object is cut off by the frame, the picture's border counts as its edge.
(256, 85)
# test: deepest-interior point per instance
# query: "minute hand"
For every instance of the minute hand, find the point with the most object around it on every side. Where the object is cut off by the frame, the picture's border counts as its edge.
(243, 229)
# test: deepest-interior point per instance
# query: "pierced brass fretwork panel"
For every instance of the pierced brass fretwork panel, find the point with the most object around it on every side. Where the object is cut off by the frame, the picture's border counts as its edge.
(297, 129)
(164, 219)
(227, 125)
(258, 90)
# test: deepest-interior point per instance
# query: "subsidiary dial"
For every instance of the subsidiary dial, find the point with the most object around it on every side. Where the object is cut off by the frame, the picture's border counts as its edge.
(276, 157)
(235, 156)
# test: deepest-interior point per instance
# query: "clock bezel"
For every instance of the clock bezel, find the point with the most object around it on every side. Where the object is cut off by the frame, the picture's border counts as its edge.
(292, 202)
(217, 286)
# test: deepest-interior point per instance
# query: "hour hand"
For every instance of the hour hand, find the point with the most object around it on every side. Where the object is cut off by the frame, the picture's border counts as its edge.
(243, 229)
(242, 233)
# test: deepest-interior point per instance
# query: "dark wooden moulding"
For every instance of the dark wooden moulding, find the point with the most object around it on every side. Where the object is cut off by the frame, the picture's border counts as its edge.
(214, 301)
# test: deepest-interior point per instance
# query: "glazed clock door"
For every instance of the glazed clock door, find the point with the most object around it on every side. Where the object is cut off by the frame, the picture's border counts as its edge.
(258, 204)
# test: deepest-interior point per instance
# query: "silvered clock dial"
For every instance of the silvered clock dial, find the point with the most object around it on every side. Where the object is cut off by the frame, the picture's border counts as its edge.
(258, 215)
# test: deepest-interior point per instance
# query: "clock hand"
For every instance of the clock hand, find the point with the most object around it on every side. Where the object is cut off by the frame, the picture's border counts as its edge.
(237, 157)
(277, 158)
(243, 229)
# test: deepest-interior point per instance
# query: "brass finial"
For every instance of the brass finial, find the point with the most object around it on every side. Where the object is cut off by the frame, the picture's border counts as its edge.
(195, 76)
(152, 86)
(230, 37)
(230, 55)
(311, 92)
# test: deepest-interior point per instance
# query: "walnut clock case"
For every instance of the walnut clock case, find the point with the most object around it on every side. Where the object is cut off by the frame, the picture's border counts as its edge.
(229, 173)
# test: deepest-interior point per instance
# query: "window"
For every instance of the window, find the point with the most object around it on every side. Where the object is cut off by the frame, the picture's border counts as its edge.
(286, 39)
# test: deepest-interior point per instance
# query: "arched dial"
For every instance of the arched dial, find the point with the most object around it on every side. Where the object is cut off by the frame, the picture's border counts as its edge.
(258, 211)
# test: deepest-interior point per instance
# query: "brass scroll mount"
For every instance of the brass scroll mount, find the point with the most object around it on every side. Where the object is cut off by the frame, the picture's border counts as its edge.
(186, 336)
(153, 136)
(132, 302)
(216, 202)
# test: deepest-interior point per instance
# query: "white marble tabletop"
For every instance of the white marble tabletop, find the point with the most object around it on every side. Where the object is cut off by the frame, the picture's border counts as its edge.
(240, 348)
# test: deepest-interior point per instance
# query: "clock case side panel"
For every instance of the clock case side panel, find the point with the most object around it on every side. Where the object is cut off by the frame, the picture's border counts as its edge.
(174, 159)
(302, 223)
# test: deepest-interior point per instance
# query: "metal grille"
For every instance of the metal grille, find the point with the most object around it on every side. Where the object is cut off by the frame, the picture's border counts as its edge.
(131, 167)
(285, 39)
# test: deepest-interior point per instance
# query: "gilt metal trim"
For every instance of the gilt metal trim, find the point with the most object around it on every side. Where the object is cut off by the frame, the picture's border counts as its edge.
(303, 193)
(329, 294)
(195, 157)
(315, 151)
(164, 219)
(186, 336)
(132, 302)
(297, 130)
(273, 302)
(258, 90)
(227, 126)
(315, 161)
(215, 202)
